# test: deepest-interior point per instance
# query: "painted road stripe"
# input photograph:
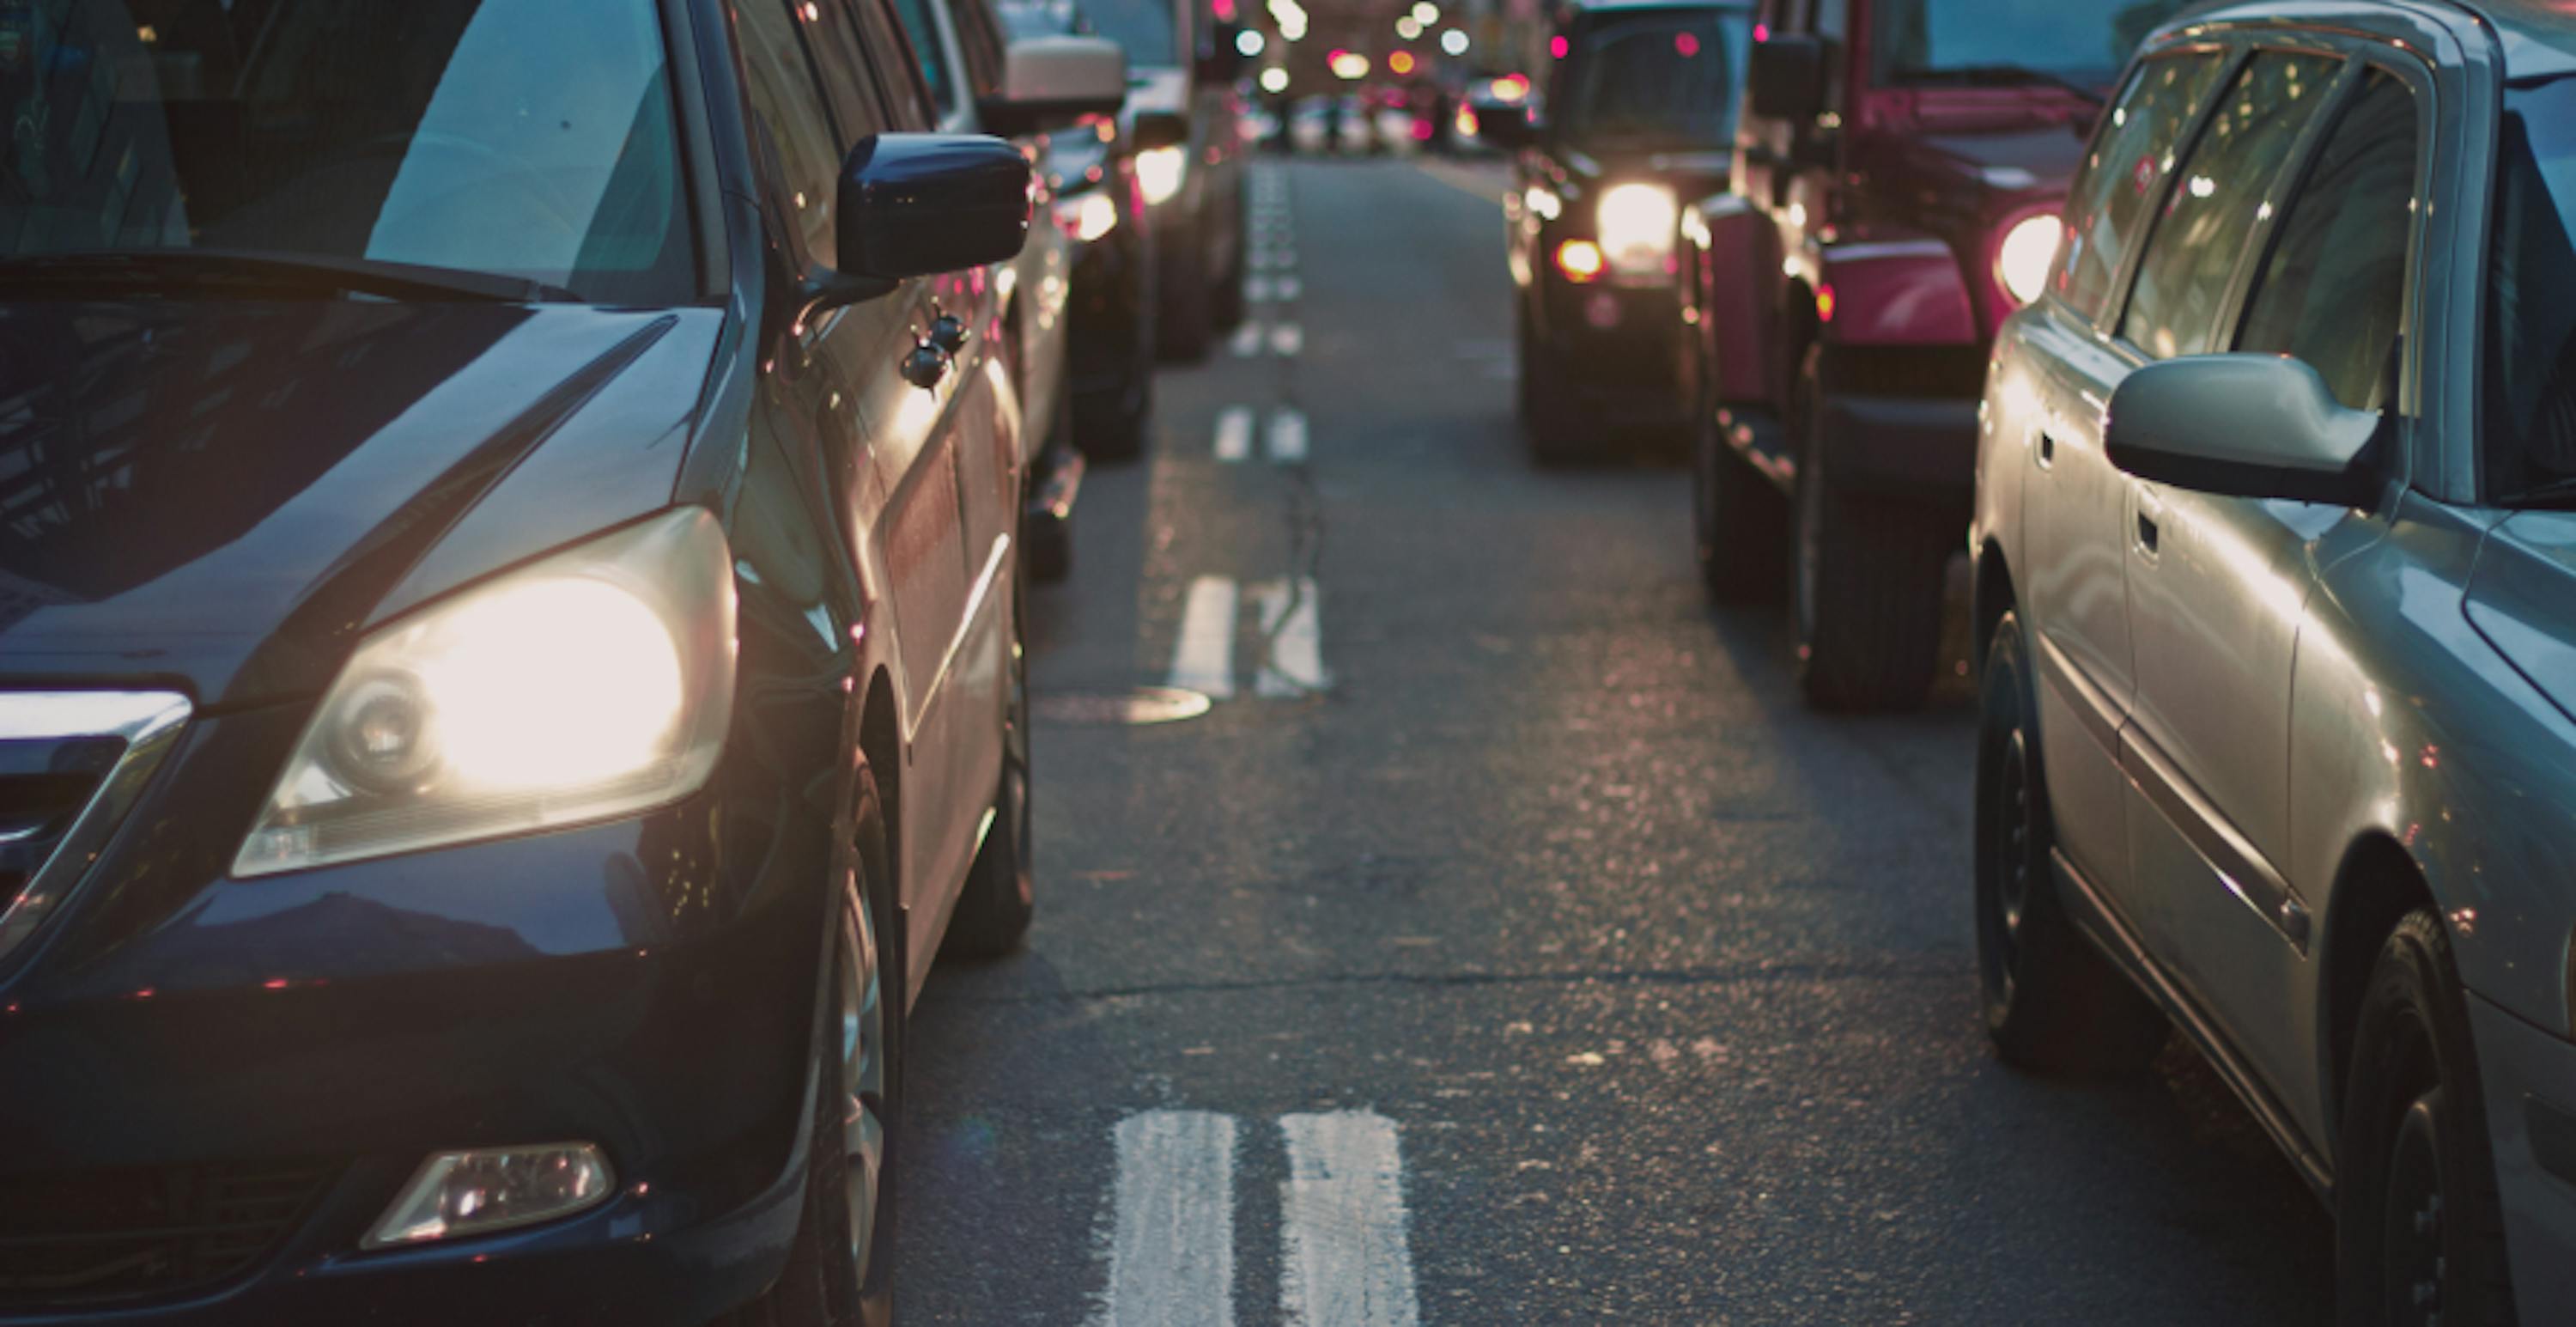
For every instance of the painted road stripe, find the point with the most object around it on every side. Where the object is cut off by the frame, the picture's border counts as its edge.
(1287, 436)
(1256, 289)
(1234, 433)
(1292, 615)
(1171, 1253)
(1287, 339)
(1203, 659)
(1344, 1260)
(1289, 288)
(1246, 341)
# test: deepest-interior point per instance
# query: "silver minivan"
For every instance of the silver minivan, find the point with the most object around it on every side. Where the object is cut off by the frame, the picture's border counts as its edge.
(2275, 546)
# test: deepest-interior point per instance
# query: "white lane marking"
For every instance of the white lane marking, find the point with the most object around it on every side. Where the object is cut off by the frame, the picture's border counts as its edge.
(1234, 433)
(1257, 289)
(1203, 658)
(1171, 1253)
(1287, 436)
(1289, 288)
(1246, 341)
(1287, 339)
(1344, 1262)
(1292, 617)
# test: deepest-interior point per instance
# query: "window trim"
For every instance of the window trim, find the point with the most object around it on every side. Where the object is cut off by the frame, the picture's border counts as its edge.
(2103, 320)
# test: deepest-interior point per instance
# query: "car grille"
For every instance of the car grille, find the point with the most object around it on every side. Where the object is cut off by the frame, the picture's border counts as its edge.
(71, 765)
(82, 1237)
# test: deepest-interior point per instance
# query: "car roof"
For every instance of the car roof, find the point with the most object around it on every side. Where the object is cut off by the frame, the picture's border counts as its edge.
(2538, 36)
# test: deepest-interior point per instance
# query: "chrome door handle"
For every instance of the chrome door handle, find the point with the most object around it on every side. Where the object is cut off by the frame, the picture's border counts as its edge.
(2047, 450)
(2147, 534)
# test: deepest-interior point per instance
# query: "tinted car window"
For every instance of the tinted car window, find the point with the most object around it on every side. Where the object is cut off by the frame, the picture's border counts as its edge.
(832, 38)
(1654, 78)
(1916, 41)
(788, 105)
(532, 138)
(2529, 415)
(2334, 286)
(2131, 152)
(2211, 209)
(912, 101)
(922, 31)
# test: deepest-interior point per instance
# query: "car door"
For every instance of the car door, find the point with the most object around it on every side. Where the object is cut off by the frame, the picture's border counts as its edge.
(2218, 587)
(2072, 569)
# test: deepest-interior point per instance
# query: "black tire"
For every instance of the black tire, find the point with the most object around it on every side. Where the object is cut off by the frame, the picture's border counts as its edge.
(1186, 321)
(2419, 1233)
(1739, 519)
(1547, 416)
(826, 1282)
(2052, 1002)
(1866, 576)
(1000, 894)
(1112, 426)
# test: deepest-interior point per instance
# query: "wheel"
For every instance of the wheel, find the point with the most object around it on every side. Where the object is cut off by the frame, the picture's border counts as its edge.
(1739, 519)
(840, 1269)
(1111, 426)
(1546, 415)
(1187, 317)
(2052, 1001)
(2419, 1233)
(1226, 302)
(1865, 582)
(994, 909)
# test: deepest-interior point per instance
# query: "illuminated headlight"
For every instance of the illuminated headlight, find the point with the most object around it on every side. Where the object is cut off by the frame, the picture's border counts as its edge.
(1087, 218)
(2023, 260)
(1637, 223)
(1159, 171)
(594, 683)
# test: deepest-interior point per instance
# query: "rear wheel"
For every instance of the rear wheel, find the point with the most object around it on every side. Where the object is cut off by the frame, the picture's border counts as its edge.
(2419, 1232)
(2052, 1001)
(1865, 583)
(1739, 518)
(1000, 895)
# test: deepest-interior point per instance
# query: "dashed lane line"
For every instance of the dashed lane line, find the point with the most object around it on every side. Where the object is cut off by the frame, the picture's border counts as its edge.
(1203, 657)
(1171, 1250)
(1345, 1261)
(1286, 436)
(1292, 620)
(1234, 433)
(1287, 339)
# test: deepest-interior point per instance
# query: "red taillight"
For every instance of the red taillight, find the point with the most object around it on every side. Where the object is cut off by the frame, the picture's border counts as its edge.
(1824, 304)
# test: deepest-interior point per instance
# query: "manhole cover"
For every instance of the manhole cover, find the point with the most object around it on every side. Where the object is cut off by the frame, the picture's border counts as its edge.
(1140, 705)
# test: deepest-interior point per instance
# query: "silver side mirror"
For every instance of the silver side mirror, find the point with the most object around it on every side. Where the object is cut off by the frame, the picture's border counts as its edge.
(2247, 426)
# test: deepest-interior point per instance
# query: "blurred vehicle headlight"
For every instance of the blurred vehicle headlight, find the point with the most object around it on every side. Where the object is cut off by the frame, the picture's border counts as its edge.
(1579, 261)
(1637, 222)
(2023, 259)
(1159, 171)
(1088, 217)
(594, 683)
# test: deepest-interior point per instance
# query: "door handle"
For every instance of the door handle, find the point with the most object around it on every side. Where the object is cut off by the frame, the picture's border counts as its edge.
(2047, 451)
(924, 365)
(2147, 534)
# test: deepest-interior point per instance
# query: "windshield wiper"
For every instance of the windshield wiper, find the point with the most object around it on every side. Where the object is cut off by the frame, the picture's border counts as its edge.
(203, 269)
(1999, 73)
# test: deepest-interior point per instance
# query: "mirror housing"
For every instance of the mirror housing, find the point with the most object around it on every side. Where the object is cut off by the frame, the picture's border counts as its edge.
(1050, 82)
(2243, 426)
(1787, 77)
(918, 204)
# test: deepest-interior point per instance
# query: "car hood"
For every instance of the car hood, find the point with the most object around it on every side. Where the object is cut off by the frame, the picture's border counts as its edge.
(221, 496)
(2042, 157)
(2520, 596)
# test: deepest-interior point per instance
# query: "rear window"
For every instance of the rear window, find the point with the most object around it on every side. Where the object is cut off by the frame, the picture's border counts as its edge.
(2529, 419)
(1653, 80)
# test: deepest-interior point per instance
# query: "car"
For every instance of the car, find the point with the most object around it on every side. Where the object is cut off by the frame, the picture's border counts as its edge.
(1638, 118)
(1109, 320)
(2277, 731)
(1184, 118)
(967, 58)
(1505, 95)
(1899, 170)
(512, 668)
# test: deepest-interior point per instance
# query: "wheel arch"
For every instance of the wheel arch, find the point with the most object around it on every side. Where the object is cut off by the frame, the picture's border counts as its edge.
(881, 746)
(2377, 884)
(1990, 598)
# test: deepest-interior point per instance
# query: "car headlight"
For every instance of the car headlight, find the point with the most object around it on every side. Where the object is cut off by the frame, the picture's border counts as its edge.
(1159, 171)
(1089, 217)
(2023, 259)
(1637, 222)
(594, 683)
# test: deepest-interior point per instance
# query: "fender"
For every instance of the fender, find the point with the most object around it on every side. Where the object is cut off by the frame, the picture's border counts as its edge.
(1736, 289)
(1900, 290)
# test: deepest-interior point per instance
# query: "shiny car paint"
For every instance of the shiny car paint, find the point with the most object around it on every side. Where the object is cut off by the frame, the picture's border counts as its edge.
(2284, 718)
(649, 983)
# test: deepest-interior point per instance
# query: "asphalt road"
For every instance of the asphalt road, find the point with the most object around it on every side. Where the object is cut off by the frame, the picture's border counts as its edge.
(1509, 946)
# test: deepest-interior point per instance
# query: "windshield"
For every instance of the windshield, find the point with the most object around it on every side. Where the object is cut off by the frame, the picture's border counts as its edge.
(528, 138)
(1046, 18)
(1917, 41)
(1144, 27)
(1655, 79)
(2529, 424)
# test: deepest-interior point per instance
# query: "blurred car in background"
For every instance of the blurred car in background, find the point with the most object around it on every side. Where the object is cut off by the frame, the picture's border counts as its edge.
(1183, 117)
(1310, 126)
(1506, 95)
(1354, 125)
(1640, 118)
(1100, 203)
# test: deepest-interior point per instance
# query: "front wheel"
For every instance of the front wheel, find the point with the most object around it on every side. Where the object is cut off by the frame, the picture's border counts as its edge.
(1739, 519)
(1186, 322)
(1865, 584)
(2419, 1232)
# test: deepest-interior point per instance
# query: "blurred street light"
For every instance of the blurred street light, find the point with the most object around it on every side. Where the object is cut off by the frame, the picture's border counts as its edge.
(1454, 41)
(1350, 66)
(1400, 63)
(1406, 28)
(1426, 13)
(1249, 41)
(1274, 79)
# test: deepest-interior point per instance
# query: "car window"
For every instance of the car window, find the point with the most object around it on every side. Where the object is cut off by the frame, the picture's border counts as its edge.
(789, 109)
(921, 30)
(1147, 28)
(2000, 41)
(2333, 289)
(832, 40)
(2528, 416)
(909, 98)
(2211, 209)
(1654, 79)
(2131, 151)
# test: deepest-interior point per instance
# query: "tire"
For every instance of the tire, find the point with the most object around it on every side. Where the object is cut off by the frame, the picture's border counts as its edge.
(2052, 1002)
(1739, 520)
(1186, 319)
(1865, 582)
(1112, 426)
(836, 1274)
(1226, 301)
(1546, 414)
(1000, 895)
(2419, 1233)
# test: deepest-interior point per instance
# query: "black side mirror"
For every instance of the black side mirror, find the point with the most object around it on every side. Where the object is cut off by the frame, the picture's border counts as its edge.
(915, 204)
(1222, 61)
(1788, 77)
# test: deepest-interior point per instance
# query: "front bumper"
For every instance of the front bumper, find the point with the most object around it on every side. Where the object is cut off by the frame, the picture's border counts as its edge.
(1916, 447)
(648, 985)
(2530, 1081)
(1615, 348)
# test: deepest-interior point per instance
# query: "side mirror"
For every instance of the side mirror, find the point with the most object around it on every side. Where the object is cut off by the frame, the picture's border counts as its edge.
(1050, 82)
(1788, 77)
(1155, 129)
(1222, 61)
(2243, 426)
(916, 204)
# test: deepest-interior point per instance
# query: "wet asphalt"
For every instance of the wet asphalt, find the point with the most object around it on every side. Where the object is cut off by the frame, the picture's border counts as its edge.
(1663, 983)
